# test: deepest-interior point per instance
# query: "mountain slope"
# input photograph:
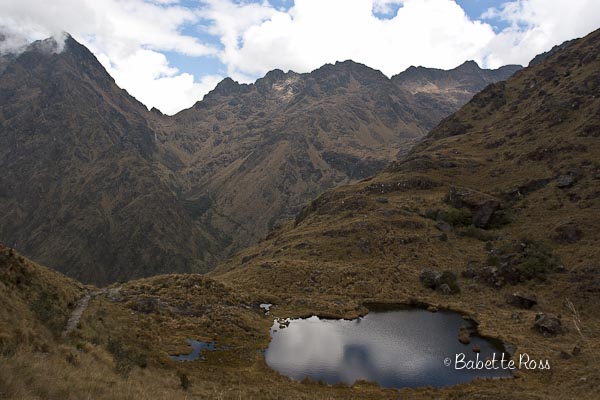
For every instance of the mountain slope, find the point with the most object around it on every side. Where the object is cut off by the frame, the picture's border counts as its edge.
(501, 197)
(102, 189)
(452, 88)
(270, 147)
(80, 189)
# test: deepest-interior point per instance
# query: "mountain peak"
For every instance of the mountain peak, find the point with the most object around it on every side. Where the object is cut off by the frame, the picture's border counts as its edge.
(468, 65)
(350, 68)
(226, 87)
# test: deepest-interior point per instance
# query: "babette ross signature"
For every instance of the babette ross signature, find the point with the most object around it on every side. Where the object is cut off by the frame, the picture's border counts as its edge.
(494, 362)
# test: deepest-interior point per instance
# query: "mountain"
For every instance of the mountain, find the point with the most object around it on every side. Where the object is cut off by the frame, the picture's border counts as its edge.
(498, 203)
(450, 88)
(102, 189)
(268, 148)
(80, 188)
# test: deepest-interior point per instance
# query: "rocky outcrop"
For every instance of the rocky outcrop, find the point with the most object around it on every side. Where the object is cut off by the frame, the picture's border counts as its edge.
(567, 180)
(443, 282)
(521, 300)
(482, 206)
(547, 324)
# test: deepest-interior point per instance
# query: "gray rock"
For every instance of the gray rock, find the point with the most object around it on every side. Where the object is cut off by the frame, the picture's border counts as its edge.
(482, 206)
(444, 282)
(445, 289)
(483, 213)
(566, 181)
(444, 226)
(547, 324)
(521, 301)
(429, 278)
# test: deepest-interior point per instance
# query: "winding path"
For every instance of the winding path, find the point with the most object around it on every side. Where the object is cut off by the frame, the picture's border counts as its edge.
(80, 307)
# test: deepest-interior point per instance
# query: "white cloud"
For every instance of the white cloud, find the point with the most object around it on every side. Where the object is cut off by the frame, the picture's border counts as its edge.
(537, 25)
(148, 76)
(423, 32)
(126, 35)
(432, 33)
(129, 35)
(385, 7)
(228, 21)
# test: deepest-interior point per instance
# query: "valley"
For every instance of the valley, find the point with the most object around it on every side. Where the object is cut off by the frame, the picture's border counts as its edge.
(129, 193)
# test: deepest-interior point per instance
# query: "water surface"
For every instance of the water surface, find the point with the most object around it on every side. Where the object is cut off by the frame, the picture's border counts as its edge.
(197, 349)
(403, 348)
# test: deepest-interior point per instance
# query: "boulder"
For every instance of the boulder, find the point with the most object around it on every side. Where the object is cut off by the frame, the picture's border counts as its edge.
(483, 213)
(567, 233)
(464, 335)
(429, 278)
(547, 324)
(482, 206)
(567, 180)
(528, 188)
(490, 276)
(444, 282)
(444, 288)
(521, 301)
(444, 226)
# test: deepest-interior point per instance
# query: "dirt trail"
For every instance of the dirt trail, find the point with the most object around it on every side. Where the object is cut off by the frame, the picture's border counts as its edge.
(80, 307)
(75, 317)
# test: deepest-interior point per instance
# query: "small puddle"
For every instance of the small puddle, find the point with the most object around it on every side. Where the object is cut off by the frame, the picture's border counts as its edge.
(401, 348)
(266, 307)
(197, 349)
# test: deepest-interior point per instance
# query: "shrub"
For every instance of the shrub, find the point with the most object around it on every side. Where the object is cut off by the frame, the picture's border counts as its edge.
(125, 359)
(530, 259)
(453, 216)
(479, 234)
(184, 381)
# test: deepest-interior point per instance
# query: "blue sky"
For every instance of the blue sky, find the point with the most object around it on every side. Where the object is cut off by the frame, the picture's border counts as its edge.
(199, 66)
(170, 53)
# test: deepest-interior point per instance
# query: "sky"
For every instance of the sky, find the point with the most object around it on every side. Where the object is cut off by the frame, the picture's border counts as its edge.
(169, 53)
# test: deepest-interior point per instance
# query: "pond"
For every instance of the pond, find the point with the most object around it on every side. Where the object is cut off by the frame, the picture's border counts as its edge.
(401, 348)
(197, 349)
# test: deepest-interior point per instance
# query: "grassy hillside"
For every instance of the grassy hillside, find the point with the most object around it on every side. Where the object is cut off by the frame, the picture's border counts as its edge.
(504, 194)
